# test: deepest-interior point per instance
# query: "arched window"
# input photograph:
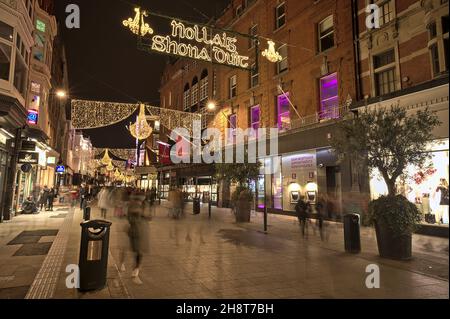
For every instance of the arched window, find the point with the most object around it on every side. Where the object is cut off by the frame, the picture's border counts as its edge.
(186, 96)
(204, 85)
(194, 92)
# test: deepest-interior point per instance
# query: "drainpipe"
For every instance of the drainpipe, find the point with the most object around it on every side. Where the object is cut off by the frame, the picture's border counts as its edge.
(356, 56)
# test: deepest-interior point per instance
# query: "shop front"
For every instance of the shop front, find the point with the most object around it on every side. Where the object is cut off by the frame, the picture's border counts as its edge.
(426, 187)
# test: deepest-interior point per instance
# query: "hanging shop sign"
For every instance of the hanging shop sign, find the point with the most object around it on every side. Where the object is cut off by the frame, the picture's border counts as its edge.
(28, 158)
(191, 40)
(33, 117)
(28, 146)
(60, 169)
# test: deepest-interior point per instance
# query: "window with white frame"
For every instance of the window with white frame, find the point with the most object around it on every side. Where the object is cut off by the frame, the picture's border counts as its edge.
(283, 65)
(329, 97)
(253, 31)
(29, 6)
(284, 112)
(254, 76)
(387, 12)
(438, 45)
(326, 34)
(233, 86)
(384, 65)
(232, 125)
(255, 119)
(194, 92)
(280, 15)
(204, 85)
(186, 97)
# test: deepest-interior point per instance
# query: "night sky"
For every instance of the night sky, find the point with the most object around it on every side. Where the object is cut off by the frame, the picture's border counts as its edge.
(104, 62)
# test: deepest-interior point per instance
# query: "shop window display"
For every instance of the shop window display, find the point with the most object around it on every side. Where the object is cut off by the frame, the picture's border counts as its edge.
(426, 187)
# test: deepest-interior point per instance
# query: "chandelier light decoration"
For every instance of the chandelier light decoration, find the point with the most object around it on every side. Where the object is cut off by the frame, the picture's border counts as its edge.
(141, 130)
(271, 54)
(117, 173)
(135, 24)
(106, 159)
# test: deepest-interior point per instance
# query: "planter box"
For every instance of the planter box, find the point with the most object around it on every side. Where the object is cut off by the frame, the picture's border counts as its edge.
(242, 211)
(391, 245)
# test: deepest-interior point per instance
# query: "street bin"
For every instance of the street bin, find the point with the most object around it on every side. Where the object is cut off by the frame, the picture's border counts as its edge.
(352, 236)
(93, 262)
(196, 206)
(86, 213)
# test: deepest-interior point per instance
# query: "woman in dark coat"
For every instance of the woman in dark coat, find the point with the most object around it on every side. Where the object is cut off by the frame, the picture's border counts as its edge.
(302, 213)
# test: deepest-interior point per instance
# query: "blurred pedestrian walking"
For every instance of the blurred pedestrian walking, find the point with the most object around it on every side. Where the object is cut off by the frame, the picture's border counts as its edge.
(302, 209)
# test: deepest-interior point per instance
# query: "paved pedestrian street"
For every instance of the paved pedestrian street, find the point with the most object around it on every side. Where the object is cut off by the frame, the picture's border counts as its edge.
(197, 257)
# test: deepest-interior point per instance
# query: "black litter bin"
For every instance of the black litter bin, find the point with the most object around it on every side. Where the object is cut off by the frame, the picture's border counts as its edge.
(352, 236)
(93, 262)
(196, 206)
(87, 213)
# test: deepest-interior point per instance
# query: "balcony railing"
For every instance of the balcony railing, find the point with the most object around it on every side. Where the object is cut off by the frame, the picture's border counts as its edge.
(331, 114)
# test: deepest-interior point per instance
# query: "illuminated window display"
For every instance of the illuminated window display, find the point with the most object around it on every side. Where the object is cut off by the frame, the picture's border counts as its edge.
(426, 187)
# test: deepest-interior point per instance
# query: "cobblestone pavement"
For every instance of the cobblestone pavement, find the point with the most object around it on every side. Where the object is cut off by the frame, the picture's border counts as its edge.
(197, 257)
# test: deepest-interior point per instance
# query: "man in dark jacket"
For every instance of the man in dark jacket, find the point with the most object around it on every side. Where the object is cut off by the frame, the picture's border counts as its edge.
(51, 199)
(302, 209)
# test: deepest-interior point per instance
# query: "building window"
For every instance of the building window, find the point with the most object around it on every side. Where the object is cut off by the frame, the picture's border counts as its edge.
(329, 98)
(253, 31)
(239, 11)
(385, 75)
(435, 59)
(39, 48)
(6, 39)
(255, 118)
(283, 65)
(386, 12)
(280, 15)
(284, 114)
(5, 61)
(254, 76)
(438, 46)
(232, 125)
(194, 92)
(326, 34)
(186, 97)
(35, 102)
(170, 98)
(233, 86)
(204, 85)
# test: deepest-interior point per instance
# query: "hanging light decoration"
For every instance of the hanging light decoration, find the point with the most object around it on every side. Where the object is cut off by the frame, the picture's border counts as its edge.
(135, 24)
(117, 173)
(141, 129)
(271, 54)
(106, 159)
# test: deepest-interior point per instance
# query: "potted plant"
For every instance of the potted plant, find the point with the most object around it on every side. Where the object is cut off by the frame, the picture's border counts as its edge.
(243, 197)
(388, 139)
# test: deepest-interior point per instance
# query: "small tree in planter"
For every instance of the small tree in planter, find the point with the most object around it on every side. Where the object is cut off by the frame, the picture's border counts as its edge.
(241, 174)
(389, 140)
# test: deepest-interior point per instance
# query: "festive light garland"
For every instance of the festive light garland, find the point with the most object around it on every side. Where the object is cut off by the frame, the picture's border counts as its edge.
(106, 159)
(135, 24)
(96, 114)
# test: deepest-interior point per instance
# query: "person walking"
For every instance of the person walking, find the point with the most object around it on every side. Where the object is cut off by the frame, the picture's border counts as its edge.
(320, 208)
(138, 231)
(301, 209)
(51, 199)
(43, 198)
(103, 201)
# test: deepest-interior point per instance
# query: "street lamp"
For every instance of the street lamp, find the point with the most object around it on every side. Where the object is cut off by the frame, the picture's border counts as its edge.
(61, 94)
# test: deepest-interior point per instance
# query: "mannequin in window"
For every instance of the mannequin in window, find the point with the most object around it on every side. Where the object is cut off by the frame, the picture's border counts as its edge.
(442, 212)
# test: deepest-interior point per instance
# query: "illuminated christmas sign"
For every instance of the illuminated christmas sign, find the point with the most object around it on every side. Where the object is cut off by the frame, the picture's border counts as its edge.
(191, 40)
(32, 117)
